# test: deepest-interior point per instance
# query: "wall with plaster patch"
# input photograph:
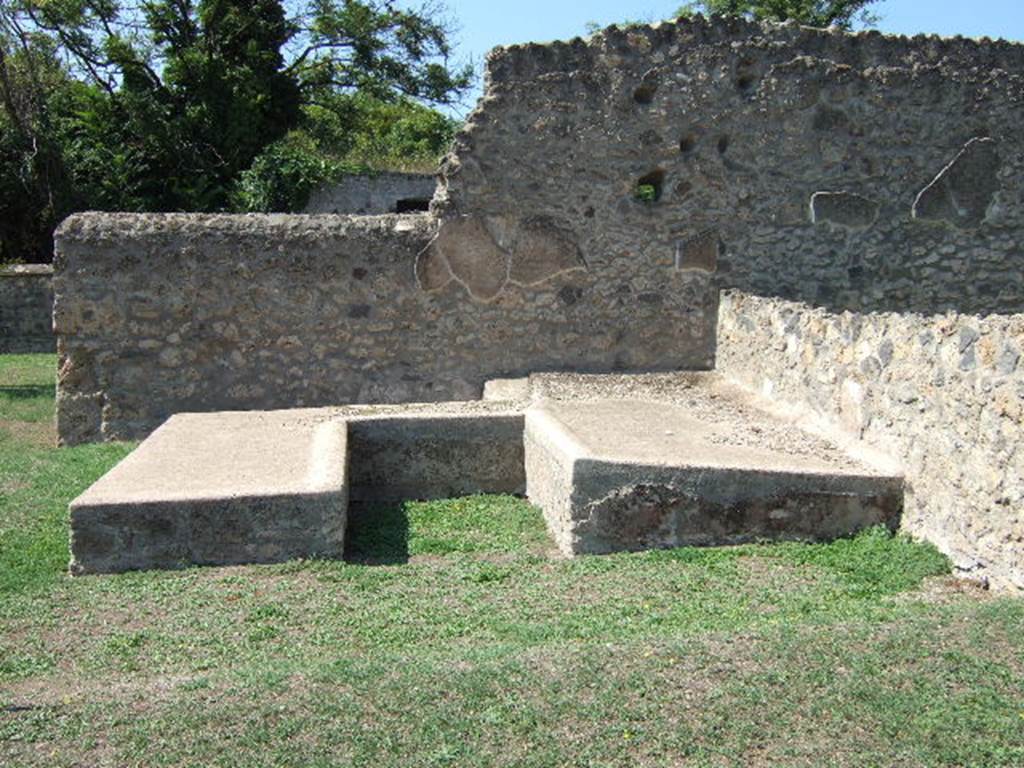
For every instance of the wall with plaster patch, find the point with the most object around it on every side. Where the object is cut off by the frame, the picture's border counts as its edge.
(593, 205)
(851, 171)
(158, 314)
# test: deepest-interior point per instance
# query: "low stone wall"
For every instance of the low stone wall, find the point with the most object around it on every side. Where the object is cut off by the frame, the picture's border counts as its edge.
(26, 309)
(398, 457)
(165, 313)
(942, 393)
(371, 194)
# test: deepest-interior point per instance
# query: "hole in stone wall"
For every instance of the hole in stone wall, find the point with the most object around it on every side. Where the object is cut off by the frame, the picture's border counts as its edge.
(746, 75)
(412, 204)
(723, 144)
(645, 93)
(829, 119)
(650, 138)
(570, 294)
(687, 143)
(649, 186)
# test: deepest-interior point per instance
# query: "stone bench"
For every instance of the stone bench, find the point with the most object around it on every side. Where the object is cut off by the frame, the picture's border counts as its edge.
(268, 486)
(614, 462)
(616, 475)
(219, 488)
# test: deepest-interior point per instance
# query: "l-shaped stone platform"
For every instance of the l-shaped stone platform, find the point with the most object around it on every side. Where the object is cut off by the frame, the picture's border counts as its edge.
(614, 462)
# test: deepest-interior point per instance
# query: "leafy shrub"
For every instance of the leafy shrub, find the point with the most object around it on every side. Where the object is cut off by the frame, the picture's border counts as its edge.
(282, 177)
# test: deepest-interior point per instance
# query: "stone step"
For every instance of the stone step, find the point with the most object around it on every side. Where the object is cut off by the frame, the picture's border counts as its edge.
(219, 488)
(614, 462)
(268, 486)
(620, 474)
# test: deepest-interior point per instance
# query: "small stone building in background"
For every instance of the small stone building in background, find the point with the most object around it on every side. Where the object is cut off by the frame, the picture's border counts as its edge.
(385, 192)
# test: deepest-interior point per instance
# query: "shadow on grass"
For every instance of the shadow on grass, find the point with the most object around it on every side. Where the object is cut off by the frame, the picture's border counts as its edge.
(377, 534)
(26, 391)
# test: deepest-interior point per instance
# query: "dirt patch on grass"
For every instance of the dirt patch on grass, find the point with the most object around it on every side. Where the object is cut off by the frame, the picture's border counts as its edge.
(776, 573)
(63, 689)
(41, 434)
(11, 485)
(942, 590)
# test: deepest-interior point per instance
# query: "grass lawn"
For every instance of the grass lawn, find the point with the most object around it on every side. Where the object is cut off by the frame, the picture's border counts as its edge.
(454, 636)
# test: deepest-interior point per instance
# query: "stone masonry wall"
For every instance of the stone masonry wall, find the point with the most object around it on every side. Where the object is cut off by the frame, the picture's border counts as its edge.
(26, 309)
(591, 208)
(942, 393)
(370, 194)
(824, 171)
(851, 171)
(158, 314)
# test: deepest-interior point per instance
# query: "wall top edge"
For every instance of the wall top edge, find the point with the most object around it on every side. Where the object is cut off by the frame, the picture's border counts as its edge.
(92, 225)
(26, 270)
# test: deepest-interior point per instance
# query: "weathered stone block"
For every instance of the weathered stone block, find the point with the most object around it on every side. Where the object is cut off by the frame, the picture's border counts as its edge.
(79, 417)
(616, 475)
(217, 489)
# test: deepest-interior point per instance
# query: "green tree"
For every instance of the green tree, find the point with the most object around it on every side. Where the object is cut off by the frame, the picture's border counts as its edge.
(353, 133)
(164, 104)
(814, 13)
(33, 183)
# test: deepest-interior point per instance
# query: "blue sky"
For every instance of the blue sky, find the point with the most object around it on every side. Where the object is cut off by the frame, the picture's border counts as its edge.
(483, 24)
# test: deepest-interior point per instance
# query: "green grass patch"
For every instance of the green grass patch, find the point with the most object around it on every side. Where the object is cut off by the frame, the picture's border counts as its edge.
(875, 563)
(36, 480)
(493, 524)
(452, 635)
(27, 384)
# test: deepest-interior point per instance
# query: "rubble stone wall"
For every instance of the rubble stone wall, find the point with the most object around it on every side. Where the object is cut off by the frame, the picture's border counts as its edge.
(164, 313)
(26, 309)
(944, 394)
(850, 171)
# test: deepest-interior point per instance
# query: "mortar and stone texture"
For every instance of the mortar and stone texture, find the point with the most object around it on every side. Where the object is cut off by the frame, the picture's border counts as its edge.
(374, 193)
(852, 171)
(943, 394)
(26, 309)
(159, 314)
(857, 172)
(595, 203)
